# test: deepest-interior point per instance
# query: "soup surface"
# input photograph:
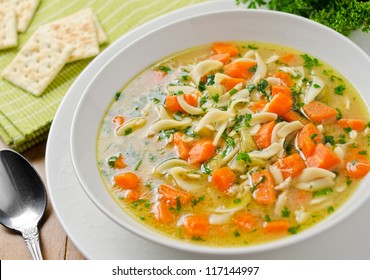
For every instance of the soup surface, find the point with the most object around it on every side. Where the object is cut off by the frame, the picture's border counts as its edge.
(234, 143)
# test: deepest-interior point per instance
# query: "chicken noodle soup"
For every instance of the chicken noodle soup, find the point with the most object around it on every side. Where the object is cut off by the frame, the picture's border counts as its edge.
(235, 143)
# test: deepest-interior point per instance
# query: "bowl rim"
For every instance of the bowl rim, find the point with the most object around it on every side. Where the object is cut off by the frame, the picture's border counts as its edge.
(330, 222)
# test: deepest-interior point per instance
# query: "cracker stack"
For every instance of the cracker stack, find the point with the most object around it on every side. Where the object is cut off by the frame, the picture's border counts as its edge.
(51, 47)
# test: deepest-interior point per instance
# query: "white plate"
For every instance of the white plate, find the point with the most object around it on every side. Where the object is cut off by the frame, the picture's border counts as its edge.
(98, 237)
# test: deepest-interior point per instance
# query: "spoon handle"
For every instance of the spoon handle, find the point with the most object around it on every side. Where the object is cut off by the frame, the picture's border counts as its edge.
(31, 237)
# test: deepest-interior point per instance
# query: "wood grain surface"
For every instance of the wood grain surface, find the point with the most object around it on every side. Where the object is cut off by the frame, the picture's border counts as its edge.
(55, 244)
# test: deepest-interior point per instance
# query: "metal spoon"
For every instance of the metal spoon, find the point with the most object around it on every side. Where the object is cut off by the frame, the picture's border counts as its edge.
(22, 198)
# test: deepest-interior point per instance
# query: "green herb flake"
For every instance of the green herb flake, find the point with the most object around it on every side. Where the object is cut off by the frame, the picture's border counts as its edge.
(348, 181)
(112, 161)
(233, 91)
(229, 140)
(165, 69)
(339, 89)
(195, 201)
(339, 113)
(294, 230)
(252, 47)
(330, 209)
(252, 69)
(316, 86)
(285, 212)
(310, 62)
(138, 164)
(128, 131)
(342, 139)
(117, 95)
(329, 139)
(322, 192)
(202, 86)
(245, 157)
(267, 218)
(215, 98)
(156, 100)
(251, 87)
(261, 86)
(247, 119)
(236, 233)
(237, 201)
(313, 136)
(347, 129)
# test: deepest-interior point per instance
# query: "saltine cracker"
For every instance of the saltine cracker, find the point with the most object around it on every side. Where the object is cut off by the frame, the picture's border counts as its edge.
(8, 26)
(37, 63)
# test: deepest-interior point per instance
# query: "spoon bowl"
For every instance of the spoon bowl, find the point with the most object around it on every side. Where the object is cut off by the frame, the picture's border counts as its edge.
(22, 198)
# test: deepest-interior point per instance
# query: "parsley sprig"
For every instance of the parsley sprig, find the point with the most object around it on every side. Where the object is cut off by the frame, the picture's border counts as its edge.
(343, 16)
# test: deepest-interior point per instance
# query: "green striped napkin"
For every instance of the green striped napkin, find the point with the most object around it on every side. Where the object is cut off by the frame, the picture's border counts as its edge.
(25, 119)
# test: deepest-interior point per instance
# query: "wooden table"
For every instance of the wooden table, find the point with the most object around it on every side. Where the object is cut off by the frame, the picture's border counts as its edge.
(55, 244)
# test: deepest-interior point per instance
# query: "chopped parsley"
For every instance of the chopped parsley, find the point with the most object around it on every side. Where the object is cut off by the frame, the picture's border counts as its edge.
(347, 129)
(310, 62)
(339, 89)
(252, 69)
(229, 140)
(233, 91)
(362, 152)
(112, 161)
(245, 157)
(342, 139)
(237, 201)
(117, 95)
(316, 86)
(253, 47)
(322, 192)
(236, 233)
(261, 86)
(165, 69)
(128, 131)
(339, 114)
(215, 98)
(285, 212)
(330, 209)
(195, 201)
(294, 230)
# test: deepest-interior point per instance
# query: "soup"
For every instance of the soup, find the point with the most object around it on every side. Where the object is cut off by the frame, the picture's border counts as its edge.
(234, 144)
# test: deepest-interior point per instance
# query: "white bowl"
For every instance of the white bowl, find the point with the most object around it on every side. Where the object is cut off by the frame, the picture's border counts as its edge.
(244, 25)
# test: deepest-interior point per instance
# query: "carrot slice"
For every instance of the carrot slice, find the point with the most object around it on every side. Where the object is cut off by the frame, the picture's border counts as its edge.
(119, 162)
(281, 89)
(258, 106)
(127, 181)
(133, 195)
(171, 195)
(173, 105)
(355, 124)
(308, 138)
(263, 136)
(119, 120)
(220, 47)
(196, 225)
(222, 57)
(292, 165)
(277, 226)
(201, 151)
(280, 104)
(357, 168)
(240, 69)
(319, 112)
(163, 213)
(223, 178)
(357, 165)
(292, 116)
(229, 82)
(182, 148)
(263, 183)
(285, 78)
(287, 58)
(246, 221)
(323, 157)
